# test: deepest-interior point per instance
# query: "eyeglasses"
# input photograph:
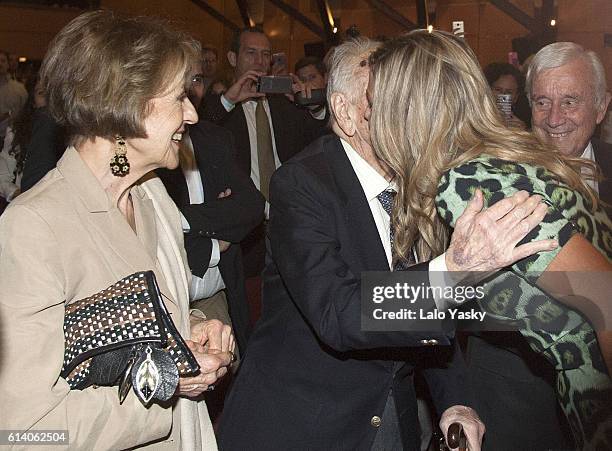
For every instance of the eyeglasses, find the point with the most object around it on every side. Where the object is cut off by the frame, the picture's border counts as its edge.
(197, 78)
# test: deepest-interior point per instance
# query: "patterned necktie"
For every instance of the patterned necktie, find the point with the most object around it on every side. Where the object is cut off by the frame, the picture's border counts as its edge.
(386, 200)
(265, 154)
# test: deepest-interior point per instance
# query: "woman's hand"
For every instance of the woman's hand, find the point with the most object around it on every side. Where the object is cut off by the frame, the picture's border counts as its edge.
(213, 366)
(212, 334)
(212, 344)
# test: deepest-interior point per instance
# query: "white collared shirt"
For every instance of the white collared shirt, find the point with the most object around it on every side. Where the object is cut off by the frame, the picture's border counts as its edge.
(249, 108)
(211, 282)
(373, 184)
(589, 154)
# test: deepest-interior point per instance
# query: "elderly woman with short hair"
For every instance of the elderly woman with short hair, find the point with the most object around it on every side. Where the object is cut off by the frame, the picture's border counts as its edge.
(119, 87)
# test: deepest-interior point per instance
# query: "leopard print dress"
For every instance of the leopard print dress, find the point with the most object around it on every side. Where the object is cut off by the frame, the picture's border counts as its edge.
(561, 335)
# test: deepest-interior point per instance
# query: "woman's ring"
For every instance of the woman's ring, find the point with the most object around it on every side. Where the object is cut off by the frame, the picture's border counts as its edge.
(233, 357)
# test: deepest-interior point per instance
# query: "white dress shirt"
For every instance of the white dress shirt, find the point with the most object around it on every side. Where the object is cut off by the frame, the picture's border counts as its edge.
(373, 184)
(211, 282)
(249, 108)
(589, 154)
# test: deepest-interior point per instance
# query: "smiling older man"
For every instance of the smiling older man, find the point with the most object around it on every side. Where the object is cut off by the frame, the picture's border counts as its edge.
(566, 85)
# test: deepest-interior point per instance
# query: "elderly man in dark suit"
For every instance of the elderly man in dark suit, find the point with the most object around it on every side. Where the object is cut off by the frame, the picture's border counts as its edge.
(312, 378)
(268, 130)
(220, 206)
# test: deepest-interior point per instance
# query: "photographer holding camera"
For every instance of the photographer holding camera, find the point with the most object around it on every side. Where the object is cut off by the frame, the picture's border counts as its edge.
(268, 128)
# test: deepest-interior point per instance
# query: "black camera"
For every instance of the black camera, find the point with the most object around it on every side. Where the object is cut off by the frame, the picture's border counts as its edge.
(280, 84)
(317, 97)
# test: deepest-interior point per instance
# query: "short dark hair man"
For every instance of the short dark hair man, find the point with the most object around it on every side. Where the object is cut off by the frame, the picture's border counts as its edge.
(210, 60)
(203, 80)
(267, 130)
(311, 69)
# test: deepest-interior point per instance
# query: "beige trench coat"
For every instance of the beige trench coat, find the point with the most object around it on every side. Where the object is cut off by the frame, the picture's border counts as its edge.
(63, 241)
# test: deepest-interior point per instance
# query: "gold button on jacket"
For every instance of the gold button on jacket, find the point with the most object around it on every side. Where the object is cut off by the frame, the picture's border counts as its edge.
(375, 421)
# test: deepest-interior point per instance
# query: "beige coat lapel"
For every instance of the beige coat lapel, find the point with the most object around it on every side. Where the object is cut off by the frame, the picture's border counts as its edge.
(146, 229)
(127, 252)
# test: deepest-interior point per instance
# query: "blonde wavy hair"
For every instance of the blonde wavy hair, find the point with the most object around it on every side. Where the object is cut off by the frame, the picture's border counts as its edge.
(433, 110)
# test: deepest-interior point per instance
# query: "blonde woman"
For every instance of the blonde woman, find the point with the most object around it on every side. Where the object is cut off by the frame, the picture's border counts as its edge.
(434, 122)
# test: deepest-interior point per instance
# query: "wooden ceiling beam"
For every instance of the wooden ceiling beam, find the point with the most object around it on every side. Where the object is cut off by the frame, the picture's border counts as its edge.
(422, 20)
(393, 14)
(216, 14)
(327, 19)
(517, 14)
(244, 13)
(297, 15)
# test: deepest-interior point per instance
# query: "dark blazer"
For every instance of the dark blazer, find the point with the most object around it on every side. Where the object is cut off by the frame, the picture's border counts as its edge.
(294, 129)
(45, 148)
(603, 157)
(229, 219)
(312, 379)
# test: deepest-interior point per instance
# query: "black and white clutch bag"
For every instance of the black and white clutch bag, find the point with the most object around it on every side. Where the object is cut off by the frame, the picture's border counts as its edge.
(124, 336)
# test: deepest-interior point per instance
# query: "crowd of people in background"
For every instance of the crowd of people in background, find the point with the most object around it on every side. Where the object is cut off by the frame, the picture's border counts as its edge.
(258, 212)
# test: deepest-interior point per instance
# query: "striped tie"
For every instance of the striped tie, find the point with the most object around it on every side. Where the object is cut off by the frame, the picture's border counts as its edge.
(386, 200)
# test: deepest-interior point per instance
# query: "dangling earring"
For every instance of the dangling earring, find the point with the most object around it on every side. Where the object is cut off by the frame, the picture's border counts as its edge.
(119, 164)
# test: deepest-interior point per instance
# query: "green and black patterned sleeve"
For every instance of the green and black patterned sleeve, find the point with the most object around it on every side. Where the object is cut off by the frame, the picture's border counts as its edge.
(498, 179)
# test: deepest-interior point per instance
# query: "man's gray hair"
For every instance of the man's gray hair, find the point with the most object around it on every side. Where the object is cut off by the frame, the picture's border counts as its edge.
(343, 62)
(561, 53)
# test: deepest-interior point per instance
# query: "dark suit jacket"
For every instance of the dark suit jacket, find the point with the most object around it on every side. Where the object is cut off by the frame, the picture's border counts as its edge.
(229, 219)
(46, 146)
(312, 379)
(603, 157)
(294, 129)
